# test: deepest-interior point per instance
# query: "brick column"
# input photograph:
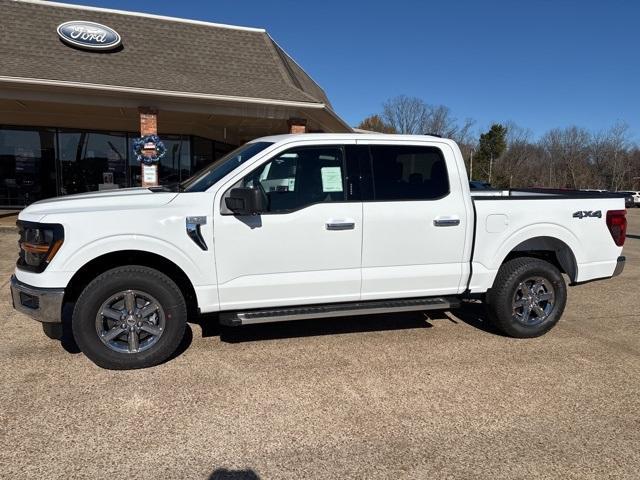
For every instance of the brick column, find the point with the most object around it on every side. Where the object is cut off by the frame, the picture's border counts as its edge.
(297, 125)
(148, 121)
(148, 126)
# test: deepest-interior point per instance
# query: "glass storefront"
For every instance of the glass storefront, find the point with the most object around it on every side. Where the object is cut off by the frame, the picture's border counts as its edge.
(89, 161)
(37, 163)
(27, 165)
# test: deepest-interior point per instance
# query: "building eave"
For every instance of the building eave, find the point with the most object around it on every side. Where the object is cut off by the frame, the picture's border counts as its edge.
(155, 92)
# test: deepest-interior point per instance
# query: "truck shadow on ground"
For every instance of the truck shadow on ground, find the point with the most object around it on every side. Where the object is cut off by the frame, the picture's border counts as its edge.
(224, 474)
(472, 314)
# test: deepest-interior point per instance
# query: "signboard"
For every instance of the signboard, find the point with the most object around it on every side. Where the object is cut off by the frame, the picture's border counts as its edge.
(149, 175)
(88, 35)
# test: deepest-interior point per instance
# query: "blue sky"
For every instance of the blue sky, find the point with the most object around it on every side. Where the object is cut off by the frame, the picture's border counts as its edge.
(541, 64)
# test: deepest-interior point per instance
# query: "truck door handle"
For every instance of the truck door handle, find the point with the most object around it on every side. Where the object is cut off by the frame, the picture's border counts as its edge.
(340, 225)
(446, 222)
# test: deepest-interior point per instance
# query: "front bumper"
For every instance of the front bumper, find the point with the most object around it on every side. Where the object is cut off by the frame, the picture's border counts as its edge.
(42, 304)
(619, 266)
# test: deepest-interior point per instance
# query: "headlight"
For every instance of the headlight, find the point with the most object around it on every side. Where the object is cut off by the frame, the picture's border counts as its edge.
(39, 243)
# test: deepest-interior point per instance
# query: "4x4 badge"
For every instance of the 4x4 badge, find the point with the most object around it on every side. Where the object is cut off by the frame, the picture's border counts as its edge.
(585, 213)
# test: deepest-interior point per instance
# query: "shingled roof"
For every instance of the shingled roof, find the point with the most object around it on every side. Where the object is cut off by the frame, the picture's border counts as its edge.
(157, 53)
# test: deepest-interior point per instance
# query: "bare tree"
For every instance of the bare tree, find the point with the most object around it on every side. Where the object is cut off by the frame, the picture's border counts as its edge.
(441, 121)
(512, 167)
(567, 152)
(406, 114)
(610, 154)
(412, 115)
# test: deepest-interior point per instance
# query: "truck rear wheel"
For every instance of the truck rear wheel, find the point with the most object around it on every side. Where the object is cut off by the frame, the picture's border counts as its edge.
(527, 298)
(129, 317)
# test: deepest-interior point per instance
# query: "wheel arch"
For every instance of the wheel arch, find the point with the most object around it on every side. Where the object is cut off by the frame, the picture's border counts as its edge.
(551, 249)
(107, 261)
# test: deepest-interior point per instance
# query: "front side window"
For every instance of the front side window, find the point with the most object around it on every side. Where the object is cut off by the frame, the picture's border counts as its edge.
(300, 177)
(406, 172)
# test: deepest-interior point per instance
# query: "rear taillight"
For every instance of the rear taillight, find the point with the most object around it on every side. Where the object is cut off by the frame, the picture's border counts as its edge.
(617, 223)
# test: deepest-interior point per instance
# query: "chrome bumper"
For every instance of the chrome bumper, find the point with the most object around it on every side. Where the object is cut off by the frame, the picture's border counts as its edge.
(619, 266)
(42, 304)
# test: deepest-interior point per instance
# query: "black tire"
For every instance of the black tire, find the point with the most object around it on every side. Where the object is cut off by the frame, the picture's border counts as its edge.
(144, 281)
(53, 330)
(507, 306)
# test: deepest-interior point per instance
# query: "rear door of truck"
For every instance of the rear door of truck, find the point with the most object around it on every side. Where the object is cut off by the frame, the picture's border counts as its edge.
(415, 219)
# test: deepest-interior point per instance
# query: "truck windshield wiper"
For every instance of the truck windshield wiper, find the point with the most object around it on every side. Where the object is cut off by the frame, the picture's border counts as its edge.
(166, 188)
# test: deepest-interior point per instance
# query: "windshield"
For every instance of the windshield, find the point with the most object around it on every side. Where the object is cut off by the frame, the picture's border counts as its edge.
(221, 167)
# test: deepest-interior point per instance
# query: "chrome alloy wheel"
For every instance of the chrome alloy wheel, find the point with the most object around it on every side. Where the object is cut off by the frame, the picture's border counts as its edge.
(130, 321)
(533, 301)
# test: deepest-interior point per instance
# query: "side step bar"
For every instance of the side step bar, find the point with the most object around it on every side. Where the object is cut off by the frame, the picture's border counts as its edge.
(267, 315)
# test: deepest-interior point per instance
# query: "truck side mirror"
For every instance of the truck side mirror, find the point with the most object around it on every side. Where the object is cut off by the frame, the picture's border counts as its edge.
(246, 201)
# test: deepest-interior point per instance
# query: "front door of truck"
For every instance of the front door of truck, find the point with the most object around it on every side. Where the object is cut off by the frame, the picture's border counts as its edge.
(305, 248)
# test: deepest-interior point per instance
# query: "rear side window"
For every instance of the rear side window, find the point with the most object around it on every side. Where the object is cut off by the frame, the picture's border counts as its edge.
(406, 172)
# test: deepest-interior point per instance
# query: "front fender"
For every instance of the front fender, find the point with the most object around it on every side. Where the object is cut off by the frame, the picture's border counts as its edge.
(196, 271)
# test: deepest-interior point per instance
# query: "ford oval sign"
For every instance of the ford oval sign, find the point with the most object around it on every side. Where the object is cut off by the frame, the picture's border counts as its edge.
(89, 35)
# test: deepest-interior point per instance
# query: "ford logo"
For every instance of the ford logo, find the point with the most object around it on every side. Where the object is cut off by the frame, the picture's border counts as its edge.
(89, 35)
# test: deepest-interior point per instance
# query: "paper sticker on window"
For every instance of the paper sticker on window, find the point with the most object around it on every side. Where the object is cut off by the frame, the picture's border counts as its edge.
(331, 179)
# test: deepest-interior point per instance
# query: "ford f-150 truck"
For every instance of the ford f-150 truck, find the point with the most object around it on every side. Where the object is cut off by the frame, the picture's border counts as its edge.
(307, 226)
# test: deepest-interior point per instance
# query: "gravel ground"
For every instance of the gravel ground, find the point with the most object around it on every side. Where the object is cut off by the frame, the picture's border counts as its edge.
(396, 396)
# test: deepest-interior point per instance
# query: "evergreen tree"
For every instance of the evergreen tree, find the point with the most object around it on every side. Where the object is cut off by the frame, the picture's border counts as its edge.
(492, 144)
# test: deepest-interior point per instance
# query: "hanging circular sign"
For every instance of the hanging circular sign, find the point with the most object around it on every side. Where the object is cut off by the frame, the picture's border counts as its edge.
(88, 35)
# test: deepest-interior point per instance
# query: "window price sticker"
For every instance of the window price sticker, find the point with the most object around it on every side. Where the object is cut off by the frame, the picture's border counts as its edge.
(331, 179)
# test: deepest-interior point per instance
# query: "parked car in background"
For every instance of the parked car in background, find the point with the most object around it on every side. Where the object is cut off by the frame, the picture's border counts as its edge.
(635, 196)
(479, 185)
(308, 226)
(628, 201)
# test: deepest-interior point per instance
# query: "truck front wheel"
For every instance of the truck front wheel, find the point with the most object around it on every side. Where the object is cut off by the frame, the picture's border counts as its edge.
(527, 298)
(129, 317)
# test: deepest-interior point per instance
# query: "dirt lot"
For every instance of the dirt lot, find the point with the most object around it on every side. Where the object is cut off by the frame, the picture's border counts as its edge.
(397, 396)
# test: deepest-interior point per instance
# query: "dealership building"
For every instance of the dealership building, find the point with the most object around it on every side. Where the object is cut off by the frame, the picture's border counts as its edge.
(78, 85)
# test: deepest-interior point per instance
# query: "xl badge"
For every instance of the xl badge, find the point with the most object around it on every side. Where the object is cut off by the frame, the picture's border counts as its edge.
(585, 213)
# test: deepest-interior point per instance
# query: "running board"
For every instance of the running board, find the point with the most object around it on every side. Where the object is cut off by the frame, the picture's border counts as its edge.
(267, 315)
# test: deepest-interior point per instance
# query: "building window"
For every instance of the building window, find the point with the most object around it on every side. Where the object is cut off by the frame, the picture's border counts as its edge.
(91, 161)
(27, 165)
(38, 163)
(202, 150)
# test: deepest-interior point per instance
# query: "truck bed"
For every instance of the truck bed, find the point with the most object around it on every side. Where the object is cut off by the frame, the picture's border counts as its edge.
(573, 222)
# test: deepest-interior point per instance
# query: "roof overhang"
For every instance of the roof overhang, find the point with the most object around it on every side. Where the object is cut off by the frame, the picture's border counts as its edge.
(320, 112)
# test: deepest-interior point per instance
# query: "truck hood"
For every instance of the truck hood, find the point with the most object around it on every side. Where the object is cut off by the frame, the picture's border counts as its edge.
(121, 199)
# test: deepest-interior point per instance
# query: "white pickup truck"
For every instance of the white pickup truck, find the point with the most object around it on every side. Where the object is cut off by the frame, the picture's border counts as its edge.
(307, 226)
